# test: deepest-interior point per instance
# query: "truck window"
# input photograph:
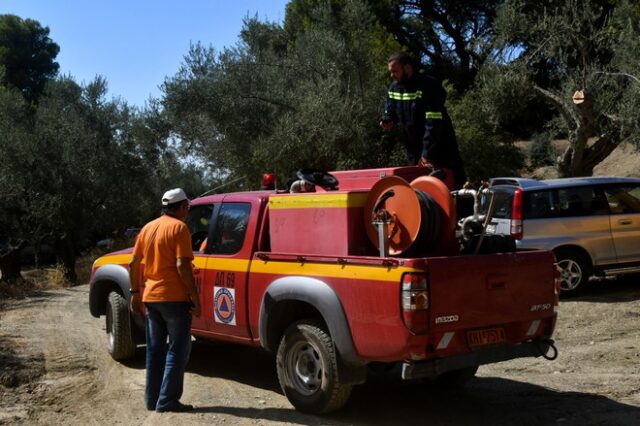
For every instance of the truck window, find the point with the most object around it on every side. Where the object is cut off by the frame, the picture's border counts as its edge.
(198, 223)
(231, 228)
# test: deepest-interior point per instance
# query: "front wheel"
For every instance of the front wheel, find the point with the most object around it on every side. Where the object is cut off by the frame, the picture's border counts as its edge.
(307, 367)
(575, 271)
(119, 338)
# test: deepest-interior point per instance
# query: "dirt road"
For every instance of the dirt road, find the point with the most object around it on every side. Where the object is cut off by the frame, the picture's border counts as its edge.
(54, 369)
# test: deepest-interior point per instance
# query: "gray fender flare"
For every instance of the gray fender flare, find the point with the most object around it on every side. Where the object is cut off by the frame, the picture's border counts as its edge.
(102, 284)
(322, 297)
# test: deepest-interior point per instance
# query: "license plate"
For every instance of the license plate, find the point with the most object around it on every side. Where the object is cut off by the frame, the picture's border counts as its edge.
(489, 336)
(491, 229)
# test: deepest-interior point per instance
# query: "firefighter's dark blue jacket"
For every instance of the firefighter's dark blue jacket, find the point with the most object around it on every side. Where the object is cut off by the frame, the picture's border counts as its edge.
(417, 105)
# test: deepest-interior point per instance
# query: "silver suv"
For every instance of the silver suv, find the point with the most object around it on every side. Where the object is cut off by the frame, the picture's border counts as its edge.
(592, 224)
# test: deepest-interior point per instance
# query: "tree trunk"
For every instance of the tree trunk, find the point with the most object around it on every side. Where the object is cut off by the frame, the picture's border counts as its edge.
(572, 165)
(579, 159)
(601, 149)
(10, 265)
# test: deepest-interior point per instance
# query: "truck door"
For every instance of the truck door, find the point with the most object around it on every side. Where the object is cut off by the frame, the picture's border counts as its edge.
(228, 254)
(198, 221)
(624, 202)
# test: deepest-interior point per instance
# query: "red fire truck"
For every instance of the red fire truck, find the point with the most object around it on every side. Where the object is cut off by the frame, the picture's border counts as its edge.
(372, 266)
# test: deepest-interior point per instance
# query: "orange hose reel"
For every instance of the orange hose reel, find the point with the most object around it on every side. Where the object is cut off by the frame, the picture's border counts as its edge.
(411, 215)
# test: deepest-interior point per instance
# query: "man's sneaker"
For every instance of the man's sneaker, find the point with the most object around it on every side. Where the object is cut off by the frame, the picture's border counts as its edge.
(178, 407)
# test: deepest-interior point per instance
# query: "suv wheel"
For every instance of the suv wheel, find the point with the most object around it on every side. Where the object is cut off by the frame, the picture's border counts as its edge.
(575, 271)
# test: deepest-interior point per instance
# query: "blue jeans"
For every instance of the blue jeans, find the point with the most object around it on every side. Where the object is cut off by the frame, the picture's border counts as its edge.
(166, 360)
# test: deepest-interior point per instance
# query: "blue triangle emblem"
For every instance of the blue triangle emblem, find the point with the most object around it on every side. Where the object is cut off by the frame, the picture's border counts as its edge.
(223, 306)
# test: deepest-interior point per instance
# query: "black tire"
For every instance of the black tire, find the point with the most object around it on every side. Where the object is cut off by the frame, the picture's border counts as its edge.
(307, 367)
(456, 379)
(119, 338)
(575, 270)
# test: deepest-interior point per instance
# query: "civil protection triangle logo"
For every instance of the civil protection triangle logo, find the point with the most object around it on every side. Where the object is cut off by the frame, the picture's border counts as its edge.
(224, 305)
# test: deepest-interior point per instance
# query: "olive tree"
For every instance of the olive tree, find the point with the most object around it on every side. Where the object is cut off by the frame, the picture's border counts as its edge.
(576, 56)
(278, 102)
(12, 186)
(71, 170)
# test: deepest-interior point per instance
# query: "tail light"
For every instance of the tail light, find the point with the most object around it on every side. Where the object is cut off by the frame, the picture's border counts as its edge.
(414, 299)
(516, 216)
(557, 281)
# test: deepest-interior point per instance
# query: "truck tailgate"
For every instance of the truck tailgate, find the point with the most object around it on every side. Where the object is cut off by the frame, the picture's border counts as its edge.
(480, 291)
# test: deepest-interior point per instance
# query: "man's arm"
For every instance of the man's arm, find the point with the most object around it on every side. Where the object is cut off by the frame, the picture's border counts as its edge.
(185, 270)
(389, 119)
(134, 272)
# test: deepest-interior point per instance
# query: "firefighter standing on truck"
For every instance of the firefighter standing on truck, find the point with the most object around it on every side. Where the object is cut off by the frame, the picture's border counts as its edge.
(415, 103)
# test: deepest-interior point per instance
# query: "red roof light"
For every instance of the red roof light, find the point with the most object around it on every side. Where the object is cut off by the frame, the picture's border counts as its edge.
(268, 181)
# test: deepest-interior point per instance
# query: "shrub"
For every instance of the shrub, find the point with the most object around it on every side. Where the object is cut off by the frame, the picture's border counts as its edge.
(541, 152)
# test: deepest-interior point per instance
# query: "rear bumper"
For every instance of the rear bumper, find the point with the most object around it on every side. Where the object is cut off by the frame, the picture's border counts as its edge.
(435, 367)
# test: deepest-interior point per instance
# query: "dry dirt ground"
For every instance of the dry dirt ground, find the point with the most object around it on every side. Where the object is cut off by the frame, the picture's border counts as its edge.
(54, 369)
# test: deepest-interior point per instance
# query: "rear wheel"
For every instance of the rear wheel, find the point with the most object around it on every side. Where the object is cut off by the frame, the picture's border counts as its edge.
(307, 367)
(456, 379)
(119, 338)
(575, 271)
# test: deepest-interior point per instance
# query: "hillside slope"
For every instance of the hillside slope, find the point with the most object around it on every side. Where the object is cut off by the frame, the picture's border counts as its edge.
(623, 161)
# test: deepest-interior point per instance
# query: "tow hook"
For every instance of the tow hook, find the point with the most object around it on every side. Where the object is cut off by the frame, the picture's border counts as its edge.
(544, 346)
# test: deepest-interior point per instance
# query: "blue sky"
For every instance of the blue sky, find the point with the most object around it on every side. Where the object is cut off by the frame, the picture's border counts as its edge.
(135, 44)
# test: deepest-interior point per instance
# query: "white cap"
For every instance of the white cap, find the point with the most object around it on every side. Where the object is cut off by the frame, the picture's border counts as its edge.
(174, 196)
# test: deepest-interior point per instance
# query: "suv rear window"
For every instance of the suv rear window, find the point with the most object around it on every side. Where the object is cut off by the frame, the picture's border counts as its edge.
(504, 201)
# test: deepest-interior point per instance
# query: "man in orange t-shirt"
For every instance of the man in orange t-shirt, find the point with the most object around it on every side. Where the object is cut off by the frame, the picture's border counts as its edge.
(170, 298)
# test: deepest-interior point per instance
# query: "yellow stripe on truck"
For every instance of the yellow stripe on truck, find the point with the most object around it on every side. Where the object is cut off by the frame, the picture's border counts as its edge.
(238, 265)
(124, 259)
(352, 272)
(116, 259)
(287, 268)
(317, 201)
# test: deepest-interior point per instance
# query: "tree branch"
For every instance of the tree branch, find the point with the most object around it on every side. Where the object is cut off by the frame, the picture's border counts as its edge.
(566, 111)
(623, 74)
(601, 149)
(272, 102)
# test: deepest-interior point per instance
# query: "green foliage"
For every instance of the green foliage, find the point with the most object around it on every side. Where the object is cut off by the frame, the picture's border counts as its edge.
(12, 111)
(550, 50)
(69, 171)
(624, 30)
(482, 145)
(541, 152)
(27, 55)
(277, 102)
(452, 37)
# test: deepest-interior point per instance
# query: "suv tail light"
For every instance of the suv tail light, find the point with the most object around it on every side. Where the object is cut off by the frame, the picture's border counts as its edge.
(414, 299)
(517, 224)
(557, 281)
